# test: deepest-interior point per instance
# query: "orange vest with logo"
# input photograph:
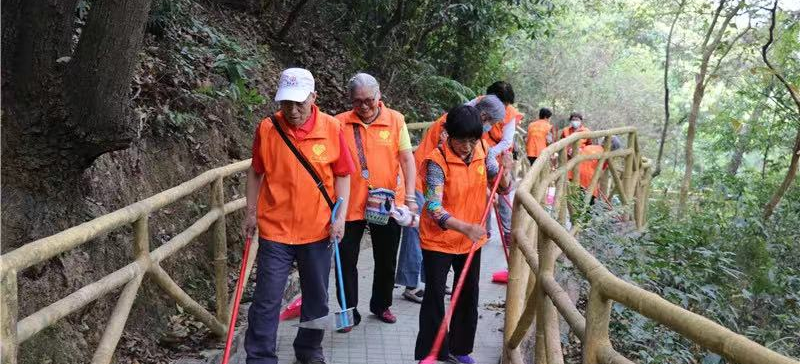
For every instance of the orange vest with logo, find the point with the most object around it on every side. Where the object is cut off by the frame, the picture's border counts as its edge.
(587, 168)
(537, 137)
(291, 209)
(381, 143)
(464, 197)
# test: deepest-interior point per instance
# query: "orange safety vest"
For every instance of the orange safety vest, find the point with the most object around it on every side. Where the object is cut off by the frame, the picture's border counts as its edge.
(495, 134)
(587, 168)
(537, 137)
(463, 186)
(569, 131)
(291, 209)
(381, 143)
(430, 141)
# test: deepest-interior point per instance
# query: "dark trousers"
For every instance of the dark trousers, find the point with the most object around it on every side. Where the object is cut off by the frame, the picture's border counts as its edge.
(274, 261)
(385, 242)
(461, 334)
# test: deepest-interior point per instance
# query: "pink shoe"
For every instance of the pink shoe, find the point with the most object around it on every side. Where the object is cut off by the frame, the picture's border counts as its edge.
(387, 317)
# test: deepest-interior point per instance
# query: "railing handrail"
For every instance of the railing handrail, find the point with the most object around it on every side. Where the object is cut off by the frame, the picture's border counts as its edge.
(45, 248)
(14, 331)
(539, 239)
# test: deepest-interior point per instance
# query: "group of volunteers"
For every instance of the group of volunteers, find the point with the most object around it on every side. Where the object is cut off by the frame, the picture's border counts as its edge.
(304, 160)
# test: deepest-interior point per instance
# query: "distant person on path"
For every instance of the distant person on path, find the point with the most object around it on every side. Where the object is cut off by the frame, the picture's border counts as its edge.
(575, 126)
(588, 168)
(293, 214)
(456, 176)
(378, 140)
(540, 134)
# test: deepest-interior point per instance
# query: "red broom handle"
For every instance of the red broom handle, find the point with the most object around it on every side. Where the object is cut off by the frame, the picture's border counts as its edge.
(235, 313)
(437, 343)
(502, 232)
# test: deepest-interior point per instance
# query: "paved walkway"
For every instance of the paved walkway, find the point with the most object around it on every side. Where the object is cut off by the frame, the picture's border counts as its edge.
(374, 341)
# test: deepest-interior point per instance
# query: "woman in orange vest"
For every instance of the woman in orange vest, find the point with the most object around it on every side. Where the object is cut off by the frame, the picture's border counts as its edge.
(540, 134)
(575, 126)
(378, 140)
(292, 213)
(454, 174)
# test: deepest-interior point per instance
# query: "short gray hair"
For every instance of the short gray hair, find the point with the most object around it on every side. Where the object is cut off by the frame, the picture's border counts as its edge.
(492, 106)
(363, 80)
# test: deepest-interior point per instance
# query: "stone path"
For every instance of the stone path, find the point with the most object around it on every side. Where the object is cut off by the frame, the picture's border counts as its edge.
(376, 342)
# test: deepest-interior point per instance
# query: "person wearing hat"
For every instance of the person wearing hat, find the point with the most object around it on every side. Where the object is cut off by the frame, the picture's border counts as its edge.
(381, 148)
(292, 213)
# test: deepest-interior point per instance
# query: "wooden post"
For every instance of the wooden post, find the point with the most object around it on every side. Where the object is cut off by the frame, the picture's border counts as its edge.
(220, 251)
(518, 273)
(8, 317)
(598, 314)
(119, 317)
(627, 174)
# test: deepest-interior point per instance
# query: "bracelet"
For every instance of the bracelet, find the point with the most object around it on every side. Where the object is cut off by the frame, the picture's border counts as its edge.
(411, 199)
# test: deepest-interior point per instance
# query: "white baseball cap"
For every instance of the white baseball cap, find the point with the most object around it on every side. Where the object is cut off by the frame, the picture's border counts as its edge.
(295, 85)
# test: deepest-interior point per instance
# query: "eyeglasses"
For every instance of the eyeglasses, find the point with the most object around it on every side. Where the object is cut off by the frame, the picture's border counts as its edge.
(470, 142)
(358, 103)
(367, 102)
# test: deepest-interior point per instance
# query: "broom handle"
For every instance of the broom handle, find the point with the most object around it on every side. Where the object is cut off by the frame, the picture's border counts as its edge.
(502, 232)
(235, 313)
(437, 343)
(339, 277)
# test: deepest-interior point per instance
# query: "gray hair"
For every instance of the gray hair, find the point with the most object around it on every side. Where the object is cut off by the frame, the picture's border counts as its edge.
(492, 106)
(363, 80)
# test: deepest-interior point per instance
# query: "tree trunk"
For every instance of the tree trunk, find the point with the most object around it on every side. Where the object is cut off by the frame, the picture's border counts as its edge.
(666, 90)
(63, 109)
(743, 139)
(769, 208)
(699, 92)
(293, 15)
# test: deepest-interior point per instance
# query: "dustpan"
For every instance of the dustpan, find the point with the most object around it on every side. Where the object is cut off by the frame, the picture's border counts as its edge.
(340, 319)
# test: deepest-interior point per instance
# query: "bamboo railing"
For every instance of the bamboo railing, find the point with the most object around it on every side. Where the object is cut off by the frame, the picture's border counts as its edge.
(535, 300)
(14, 331)
(538, 240)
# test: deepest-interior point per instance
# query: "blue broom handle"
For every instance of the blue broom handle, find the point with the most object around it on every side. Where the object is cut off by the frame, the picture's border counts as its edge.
(345, 320)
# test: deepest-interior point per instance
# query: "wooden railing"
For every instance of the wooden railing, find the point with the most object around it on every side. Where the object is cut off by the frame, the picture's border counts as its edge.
(535, 300)
(539, 239)
(14, 331)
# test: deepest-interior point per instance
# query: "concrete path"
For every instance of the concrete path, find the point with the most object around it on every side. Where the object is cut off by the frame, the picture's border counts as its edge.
(374, 341)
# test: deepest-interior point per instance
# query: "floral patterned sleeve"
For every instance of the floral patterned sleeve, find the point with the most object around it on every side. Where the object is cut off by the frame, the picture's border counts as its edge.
(434, 191)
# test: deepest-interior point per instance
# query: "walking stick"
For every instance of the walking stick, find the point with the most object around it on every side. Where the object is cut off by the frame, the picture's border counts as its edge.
(235, 313)
(437, 343)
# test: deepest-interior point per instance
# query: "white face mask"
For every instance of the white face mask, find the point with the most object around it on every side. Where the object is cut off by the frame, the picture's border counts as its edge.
(487, 127)
(576, 124)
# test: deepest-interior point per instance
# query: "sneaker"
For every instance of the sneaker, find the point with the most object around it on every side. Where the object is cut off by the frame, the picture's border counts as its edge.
(451, 359)
(465, 359)
(387, 317)
(414, 295)
(345, 330)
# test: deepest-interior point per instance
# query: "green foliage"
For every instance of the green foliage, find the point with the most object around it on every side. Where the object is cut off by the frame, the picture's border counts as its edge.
(721, 261)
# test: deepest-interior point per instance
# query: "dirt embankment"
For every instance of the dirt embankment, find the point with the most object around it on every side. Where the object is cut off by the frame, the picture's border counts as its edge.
(206, 77)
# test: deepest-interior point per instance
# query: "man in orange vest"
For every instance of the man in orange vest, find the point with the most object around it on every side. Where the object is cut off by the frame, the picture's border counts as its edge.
(540, 134)
(292, 212)
(575, 126)
(456, 175)
(378, 140)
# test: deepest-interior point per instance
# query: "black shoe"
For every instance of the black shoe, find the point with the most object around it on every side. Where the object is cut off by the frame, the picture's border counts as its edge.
(313, 361)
